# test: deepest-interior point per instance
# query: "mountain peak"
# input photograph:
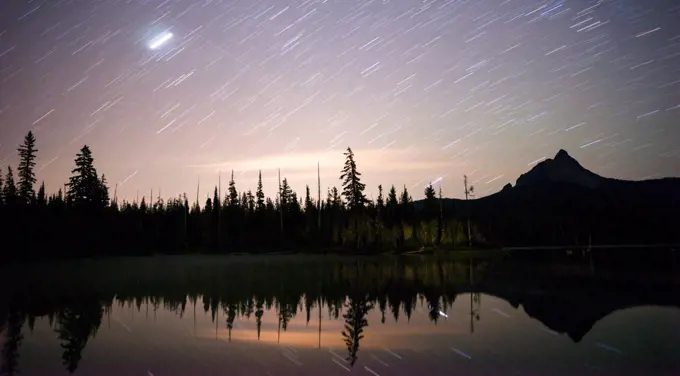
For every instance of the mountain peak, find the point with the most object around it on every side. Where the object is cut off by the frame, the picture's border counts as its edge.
(562, 154)
(563, 168)
(562, 158)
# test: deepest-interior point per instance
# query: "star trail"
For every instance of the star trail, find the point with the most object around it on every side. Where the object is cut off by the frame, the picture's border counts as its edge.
(170, 92)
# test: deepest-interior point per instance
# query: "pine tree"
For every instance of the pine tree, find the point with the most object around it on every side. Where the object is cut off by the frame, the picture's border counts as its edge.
(41, 198)
(27, 154)
(286, 194)
(233, 193)
(259, 193)
(392, 197)
(353, 190)
(440, 217)
(216, 200)
(336, 198)
(352, 187)
(309, 204)
(430, 193)
(405, 198)
(406, 210)
(430, 202)
(380, 216)
(393, 216)
(9, 190)
(251, 201)
(103, 192)
(84, 186)
(1, 188)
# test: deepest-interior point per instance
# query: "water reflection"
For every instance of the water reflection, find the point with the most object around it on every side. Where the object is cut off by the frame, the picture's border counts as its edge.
(428, 308)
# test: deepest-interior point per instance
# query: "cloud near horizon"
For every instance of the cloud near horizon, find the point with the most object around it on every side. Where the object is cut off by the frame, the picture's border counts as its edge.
(331, 162)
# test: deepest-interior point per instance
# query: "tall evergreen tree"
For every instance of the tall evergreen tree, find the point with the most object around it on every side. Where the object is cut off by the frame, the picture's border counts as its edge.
(353, 190)
(352, 187)
(440, 217)
(27, 153)
(392, 196)
(380, 202)
(233, 193)
(251, 201)
(9, 190)
(309, 204)
(430, 193)
(103, 192)
(84, 186)
(392, 204)
(405, 198)
(286, 194)
(259, 193)
(41, 199)
(430, 202)
(244, 201)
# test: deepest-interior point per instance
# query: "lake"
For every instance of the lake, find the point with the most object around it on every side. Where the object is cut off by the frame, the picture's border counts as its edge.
(331, 315)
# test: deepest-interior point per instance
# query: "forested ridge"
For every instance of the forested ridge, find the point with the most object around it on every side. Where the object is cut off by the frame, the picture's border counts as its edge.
(86, 219)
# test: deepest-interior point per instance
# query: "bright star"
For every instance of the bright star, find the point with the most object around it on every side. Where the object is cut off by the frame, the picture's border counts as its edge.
(160, 40)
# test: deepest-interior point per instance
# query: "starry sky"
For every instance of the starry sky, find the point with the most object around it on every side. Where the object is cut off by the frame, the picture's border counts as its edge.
(422, 91)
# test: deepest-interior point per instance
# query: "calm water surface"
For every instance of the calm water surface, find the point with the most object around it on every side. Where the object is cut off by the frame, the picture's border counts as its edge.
(333, 316)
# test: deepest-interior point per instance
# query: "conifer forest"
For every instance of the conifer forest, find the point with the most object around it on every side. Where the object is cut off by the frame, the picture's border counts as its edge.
(86, 219)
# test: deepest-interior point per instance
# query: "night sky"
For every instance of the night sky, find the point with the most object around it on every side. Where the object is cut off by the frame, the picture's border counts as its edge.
(421, 90)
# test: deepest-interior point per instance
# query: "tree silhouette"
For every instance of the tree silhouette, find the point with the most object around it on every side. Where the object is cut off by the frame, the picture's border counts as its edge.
(258, 316)
(75, 327)
(353, 190)
(259, 194)
(231, 316)
(355, 322)
(352, 187)
(41, 198)
(27, 155)
(9, 189)
(10, 348)
(85, 189)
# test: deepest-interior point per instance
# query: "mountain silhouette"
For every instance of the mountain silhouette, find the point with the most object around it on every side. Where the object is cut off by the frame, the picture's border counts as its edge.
(561, 169)
(560, 202)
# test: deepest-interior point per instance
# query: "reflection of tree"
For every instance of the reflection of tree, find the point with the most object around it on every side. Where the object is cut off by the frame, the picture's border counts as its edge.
(433, 305)
(355, 322)
(231, 316)
(75, 326)
(475, 308)
(309, 305)
(248, 308)
(382, 304)
(395, 307)
(334, 307)
(258, 316)
(10, 348)
(286, 313)
(237, 289)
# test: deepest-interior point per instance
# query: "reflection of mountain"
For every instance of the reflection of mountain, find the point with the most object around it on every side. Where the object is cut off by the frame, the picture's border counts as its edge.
(574, 305)
(78, 295)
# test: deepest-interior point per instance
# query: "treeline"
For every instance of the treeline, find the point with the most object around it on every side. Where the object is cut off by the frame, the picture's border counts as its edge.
(84, 220)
